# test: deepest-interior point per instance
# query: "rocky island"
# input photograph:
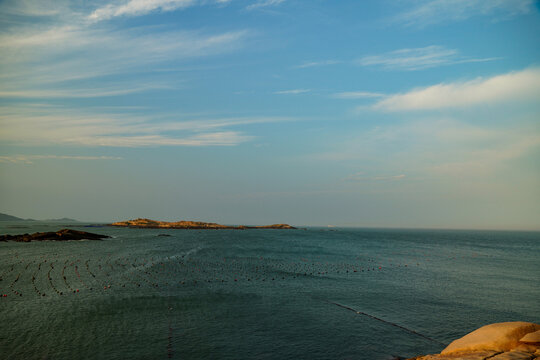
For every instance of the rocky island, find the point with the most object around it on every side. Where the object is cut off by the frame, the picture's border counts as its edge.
(154, 224)
(60, 235)
(514, 340)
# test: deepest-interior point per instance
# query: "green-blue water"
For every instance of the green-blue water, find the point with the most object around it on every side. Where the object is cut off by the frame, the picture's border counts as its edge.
(259, 294)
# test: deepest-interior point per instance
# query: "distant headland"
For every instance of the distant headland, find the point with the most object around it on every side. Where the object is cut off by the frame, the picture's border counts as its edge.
(6, 217)
(154, 224)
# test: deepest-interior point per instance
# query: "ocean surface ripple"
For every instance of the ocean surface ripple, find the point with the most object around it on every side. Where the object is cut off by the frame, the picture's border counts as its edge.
(260, 294)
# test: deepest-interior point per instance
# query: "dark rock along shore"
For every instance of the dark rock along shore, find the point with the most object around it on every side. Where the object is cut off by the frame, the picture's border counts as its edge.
(60, 235)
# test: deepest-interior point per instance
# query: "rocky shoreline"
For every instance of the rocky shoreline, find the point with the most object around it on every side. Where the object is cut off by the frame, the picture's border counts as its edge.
(60, 235)
(154, 224)
(515, 340)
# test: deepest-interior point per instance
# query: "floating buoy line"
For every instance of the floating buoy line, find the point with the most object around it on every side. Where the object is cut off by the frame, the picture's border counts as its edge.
(65, 276)
(54, 275)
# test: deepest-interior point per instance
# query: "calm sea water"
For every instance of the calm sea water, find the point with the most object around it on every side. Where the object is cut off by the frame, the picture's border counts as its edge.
(260, 294)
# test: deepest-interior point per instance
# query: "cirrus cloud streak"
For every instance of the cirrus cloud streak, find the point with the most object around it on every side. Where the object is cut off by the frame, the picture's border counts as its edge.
(430, 12)
(514, 86)
(44, 125)
(418, 58)
(29, 159)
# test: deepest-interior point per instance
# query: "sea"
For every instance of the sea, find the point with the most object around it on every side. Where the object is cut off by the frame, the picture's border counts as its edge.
(310, 293)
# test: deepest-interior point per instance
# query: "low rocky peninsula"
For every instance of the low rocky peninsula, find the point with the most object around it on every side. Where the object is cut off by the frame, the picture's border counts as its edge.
(515, 340)
(60, 235)
(154, 224)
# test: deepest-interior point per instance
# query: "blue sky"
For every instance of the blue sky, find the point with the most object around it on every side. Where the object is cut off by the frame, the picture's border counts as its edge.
(385, 113)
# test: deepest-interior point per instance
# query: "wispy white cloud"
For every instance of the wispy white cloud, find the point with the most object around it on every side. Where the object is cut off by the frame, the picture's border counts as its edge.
(118, 45)
(143, 7)
(417, 58)
(29, 159)
(515, 86)
(357, 95)
(75, 54)
(436, 148)
(292, 92)
(429, 12)
(80, 93)
(360, 176)
(407, 59)
(223, 138)
(62, 56)
(45, 125)
(484, 160)
(33, 8)
(264, 3)
(208, 124)
(318, 63)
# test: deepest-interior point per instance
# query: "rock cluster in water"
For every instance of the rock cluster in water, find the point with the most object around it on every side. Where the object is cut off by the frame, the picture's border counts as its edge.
(154, 224)
(515, 340)
(61, 235)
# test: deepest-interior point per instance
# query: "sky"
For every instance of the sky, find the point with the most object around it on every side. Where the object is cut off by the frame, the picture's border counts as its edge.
(372, 113)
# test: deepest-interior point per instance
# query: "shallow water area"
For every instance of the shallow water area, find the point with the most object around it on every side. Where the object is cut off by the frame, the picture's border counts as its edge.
(259, 294)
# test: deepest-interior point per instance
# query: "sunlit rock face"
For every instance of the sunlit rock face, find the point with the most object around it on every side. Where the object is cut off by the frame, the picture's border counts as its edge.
(154, 224)
(515, 340)
(498, 337)
(147, 223)
(532, 338)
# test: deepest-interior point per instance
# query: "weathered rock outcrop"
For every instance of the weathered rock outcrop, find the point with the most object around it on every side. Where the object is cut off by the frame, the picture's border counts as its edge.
(274, 226)
(61, 235)
(154, 224)
(515, 340)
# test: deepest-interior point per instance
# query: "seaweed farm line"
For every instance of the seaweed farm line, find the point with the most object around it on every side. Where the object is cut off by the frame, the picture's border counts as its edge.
(61, 277)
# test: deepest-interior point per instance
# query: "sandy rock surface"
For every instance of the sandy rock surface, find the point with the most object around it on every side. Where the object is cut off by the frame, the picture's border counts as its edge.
(515, 340)
(531, 337)
(514, 355)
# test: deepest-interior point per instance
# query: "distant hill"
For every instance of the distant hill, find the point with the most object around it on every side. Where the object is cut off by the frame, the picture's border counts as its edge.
(6, 217)
(62, 219)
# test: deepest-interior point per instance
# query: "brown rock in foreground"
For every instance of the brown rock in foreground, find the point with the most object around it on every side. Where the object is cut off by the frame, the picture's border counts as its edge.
(154, 224)
(501, 341)
(60, 235)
